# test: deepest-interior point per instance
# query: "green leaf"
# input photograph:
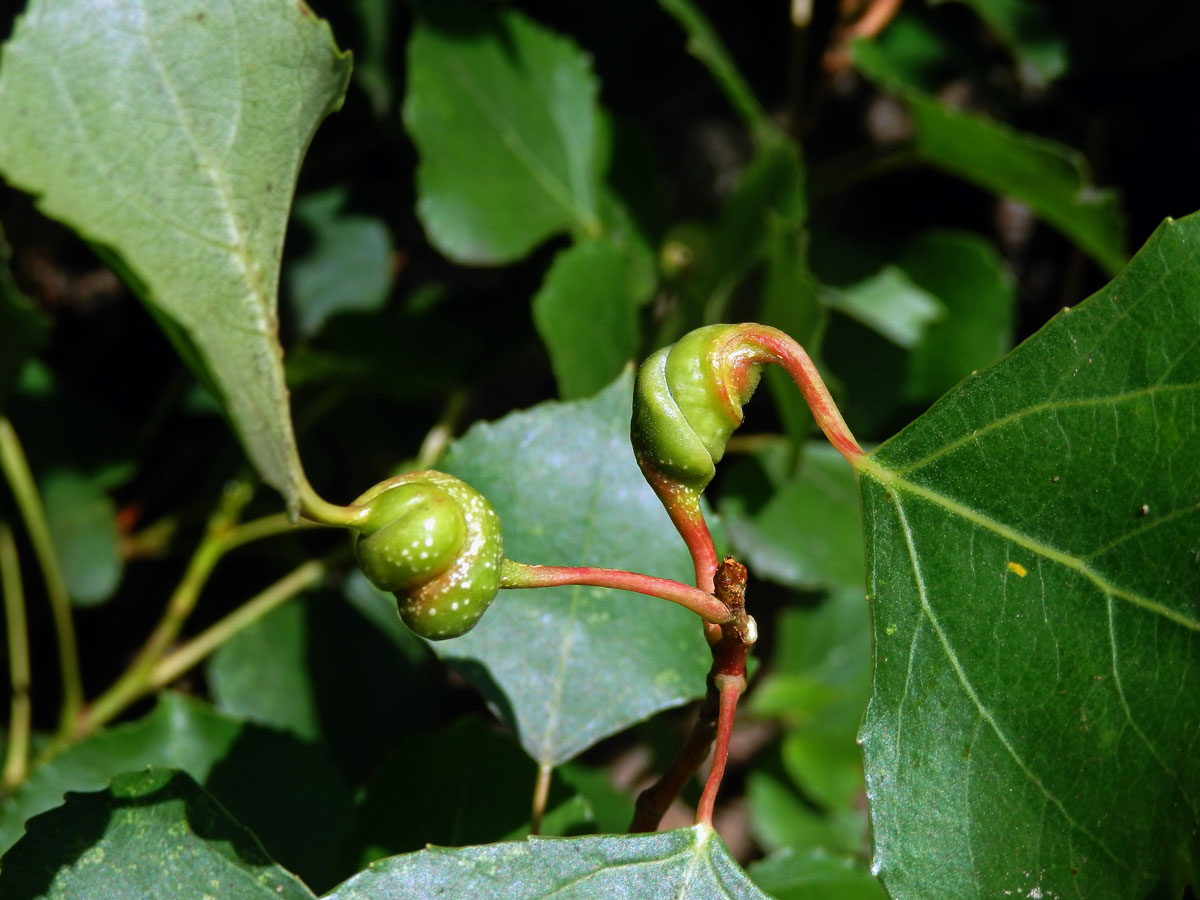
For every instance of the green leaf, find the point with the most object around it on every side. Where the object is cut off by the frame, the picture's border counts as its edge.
(1026, 28)
(149, 834)
(159, 833)
(1032, 565)
(262, 673)
(255, 773)
(790, 293)
(781, 818)
(586, 317)
(349, 268)
(1053, 180)
(591, 660)
(609, 809)
(704, 44)
(821, 659)
(888, 302)
(806, 532)
(687, 864)
(171, 134)
(83, 525)
(373, 54)
(628, 199)
(814, 875)
(769, 195)
(23, 328)
(503, 114)
(978, 295)
(315, 668)
(817, 685)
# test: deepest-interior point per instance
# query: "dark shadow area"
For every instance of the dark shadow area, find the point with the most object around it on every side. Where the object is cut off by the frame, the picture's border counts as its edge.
(287, 793)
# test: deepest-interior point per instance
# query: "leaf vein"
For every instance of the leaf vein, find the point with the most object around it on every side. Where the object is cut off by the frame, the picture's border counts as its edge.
(541, 173)
(240, 243)
(1112, 642)
(969, 689)
(887, 477)
(1047, 406)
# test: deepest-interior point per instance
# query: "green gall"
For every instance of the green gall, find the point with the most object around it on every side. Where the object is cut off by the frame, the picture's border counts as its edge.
(434, 542)
(687, 402)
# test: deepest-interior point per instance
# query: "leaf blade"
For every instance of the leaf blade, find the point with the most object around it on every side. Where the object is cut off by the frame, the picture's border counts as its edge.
(96, 846)
(1053, 180)
(150, 131)
(503, 113)
(687, 864)
(587, 317)
(1036, 620)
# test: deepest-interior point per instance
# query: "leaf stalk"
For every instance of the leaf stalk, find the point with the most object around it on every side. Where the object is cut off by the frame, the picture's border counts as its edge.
(221, 537)
(519, 575)
(29, 502)
(16, 758)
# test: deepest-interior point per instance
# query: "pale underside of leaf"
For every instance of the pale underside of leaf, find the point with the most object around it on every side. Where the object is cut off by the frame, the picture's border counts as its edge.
(171, 137)
(687, 864)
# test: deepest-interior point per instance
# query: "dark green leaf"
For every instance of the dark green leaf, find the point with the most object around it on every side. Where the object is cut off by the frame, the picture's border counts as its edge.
(704, 43)
(349, 267)
(890, 303)
(771, 190)
(807, 532)
(781, 818)
(814, 875)
(609, 810)
(23, 328)
(1051, 179)
(1033, 543)
(262, 673)
(1026, 28)
(591, 661)
(818, 683)
(629, 208)
(372, 56)
(83, 525)
(586, 317)
(379, 608)
(315, 668)
(149, 835)
(976, 290)
(688, 864)
(791, 303)
(503, 113)
(129, 123)
(272, 782)
(464, 784)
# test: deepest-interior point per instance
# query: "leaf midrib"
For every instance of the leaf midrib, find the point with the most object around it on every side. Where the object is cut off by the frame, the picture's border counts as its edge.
(969, 688)
(892, 479)
(239, 250)
(1046, 406)
(520, 151)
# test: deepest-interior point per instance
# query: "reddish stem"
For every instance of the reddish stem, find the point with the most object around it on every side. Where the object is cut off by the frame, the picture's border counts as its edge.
(708, 607)
(654, 801)
(782, 350)
(727, 680)
(683, 506)
(731, 688)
